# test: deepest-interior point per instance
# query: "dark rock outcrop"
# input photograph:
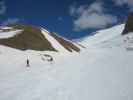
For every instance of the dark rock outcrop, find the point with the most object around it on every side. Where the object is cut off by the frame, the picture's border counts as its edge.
(68, 45)
(129, 24)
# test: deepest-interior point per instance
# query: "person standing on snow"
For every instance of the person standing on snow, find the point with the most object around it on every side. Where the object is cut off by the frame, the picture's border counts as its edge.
(28, 63)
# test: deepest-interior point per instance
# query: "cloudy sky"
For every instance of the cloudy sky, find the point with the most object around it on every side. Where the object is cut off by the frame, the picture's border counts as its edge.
(69, 18)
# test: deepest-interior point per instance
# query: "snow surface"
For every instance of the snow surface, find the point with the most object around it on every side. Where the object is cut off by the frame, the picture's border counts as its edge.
(5, 27)
(9, 34)
(53, 41)
(102, 71)
(103, 35)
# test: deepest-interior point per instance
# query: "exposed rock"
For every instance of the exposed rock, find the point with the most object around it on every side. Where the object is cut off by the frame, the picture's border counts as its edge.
(129, 24)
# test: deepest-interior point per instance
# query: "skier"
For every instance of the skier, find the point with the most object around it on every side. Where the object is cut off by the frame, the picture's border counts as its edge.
(28, 63)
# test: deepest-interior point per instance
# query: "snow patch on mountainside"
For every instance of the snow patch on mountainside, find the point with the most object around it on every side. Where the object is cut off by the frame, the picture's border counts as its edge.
(6, 28)
(53, 41)
(9, 34)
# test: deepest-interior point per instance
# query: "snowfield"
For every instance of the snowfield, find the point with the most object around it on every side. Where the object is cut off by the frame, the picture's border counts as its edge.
(9, 34)
(102, 71)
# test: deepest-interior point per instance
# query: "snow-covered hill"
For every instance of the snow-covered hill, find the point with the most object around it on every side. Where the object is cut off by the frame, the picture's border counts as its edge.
(103, 35)
(101, 71)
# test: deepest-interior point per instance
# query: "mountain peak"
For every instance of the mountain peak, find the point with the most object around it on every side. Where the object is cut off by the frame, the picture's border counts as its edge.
(24, 37)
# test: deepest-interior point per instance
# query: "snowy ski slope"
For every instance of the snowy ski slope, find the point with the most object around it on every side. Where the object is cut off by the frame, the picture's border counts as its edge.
(102, 71)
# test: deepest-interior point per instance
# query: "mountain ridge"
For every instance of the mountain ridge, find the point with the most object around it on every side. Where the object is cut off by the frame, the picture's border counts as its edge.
(32, 38)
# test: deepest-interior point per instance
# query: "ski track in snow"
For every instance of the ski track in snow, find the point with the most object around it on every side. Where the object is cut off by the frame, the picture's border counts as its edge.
(100, 72)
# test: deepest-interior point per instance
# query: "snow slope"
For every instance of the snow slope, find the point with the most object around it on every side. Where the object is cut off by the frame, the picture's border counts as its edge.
(102, 71)
(9, 34)
(53, 41)
(103, 35)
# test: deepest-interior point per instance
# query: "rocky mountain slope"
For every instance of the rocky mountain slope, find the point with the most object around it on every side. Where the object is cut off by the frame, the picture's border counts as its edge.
(27, 37)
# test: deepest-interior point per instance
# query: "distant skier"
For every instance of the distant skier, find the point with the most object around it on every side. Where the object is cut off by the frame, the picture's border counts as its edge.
(28, 63)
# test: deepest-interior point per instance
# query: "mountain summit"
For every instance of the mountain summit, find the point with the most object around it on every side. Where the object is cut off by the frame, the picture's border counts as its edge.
(24, 37)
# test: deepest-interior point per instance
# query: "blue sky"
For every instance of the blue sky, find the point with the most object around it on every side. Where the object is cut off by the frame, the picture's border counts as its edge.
(69, 18)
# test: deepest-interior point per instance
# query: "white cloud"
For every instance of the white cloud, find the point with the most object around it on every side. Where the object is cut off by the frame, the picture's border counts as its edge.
(129, 3)
(91, 16)
(94, 20)
(11, 21)
(72, 10)
(2, 7)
